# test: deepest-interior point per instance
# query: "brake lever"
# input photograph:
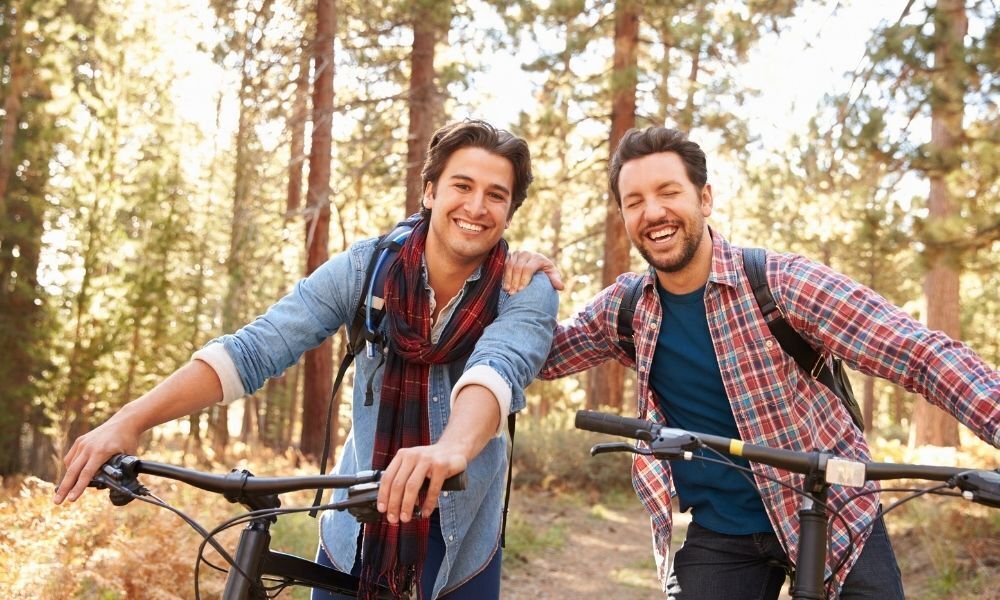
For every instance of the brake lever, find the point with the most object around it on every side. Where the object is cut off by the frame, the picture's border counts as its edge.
(981, 487)
(616, 447)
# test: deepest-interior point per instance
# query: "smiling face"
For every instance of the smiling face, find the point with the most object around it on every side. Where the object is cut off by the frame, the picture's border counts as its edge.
(470, 207)
(665, 213)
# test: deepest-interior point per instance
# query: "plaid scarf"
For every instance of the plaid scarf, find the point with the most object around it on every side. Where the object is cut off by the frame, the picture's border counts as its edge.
(397, 552)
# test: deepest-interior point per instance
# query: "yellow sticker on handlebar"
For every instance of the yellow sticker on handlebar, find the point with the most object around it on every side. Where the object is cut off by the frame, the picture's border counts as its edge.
(736, 447)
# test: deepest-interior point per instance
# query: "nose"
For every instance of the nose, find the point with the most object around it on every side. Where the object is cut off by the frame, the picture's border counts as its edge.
(475, 203)
(653, 210)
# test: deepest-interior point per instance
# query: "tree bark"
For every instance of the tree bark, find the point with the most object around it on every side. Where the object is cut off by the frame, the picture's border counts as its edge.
(297, 145)
(931, 425)
(16, 83)
(319, 361)
(422, 102)
(606, 382)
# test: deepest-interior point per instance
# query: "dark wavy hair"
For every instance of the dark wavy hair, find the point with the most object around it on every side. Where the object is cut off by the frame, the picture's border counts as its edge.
(637, 143)
(479, 134)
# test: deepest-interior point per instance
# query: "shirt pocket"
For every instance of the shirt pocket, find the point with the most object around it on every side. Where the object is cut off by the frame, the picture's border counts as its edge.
(767, 374)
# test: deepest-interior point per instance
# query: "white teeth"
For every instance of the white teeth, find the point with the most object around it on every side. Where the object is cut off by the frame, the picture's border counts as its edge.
(470, 226)
(662, 233)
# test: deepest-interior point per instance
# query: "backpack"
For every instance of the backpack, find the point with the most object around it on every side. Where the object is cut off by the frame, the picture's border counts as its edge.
(365, 333)
(830, 373)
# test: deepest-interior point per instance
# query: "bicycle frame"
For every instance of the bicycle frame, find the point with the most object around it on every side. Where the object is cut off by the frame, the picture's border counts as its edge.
(254, 557)
(821, 469)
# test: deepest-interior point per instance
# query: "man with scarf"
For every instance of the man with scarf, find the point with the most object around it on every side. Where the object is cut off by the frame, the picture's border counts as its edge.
(461, 351)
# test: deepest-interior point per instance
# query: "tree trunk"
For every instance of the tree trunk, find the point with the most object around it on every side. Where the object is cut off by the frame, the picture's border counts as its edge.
(422, 102)
(19, 73)
(931, 425)
(297, 145)
(607, 381)
(319, 361)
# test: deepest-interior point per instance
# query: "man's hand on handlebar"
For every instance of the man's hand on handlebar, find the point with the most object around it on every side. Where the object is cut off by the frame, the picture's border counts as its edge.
(90, 451)
(401, 481)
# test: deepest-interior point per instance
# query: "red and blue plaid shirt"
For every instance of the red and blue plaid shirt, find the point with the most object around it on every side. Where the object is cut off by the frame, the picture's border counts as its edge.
(774, 402)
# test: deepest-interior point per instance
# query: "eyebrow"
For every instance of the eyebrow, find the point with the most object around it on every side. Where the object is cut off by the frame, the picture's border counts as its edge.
(661, 187)
(668, 183)
(471, 180)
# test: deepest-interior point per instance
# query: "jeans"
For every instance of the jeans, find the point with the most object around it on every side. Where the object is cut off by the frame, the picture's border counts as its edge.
(714, 565)
(485, 585)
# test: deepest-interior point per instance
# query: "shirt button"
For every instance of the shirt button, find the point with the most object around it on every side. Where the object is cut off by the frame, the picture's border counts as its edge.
(445, 494)
(768, 344)
(451, 538)
(434, 398)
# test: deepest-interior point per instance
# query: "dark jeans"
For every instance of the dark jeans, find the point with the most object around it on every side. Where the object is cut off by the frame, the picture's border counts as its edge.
(485, 585)
(714, 565)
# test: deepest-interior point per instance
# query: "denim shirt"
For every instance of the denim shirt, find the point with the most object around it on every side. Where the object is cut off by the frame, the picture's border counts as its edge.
(514, 345)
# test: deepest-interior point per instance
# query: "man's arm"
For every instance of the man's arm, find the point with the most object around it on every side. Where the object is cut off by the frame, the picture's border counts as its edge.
(590, 337)
(875, 337)
(507, 357)
(189, 389)
(234, 365)
(474, 420)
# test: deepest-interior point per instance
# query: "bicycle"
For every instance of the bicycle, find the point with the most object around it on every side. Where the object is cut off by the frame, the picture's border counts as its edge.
(256, 571)
(822, 469)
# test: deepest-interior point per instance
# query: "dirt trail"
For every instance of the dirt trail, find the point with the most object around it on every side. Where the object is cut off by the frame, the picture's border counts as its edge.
(579, 549)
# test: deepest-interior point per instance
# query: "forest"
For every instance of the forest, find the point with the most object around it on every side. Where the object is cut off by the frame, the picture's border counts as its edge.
(169, 168)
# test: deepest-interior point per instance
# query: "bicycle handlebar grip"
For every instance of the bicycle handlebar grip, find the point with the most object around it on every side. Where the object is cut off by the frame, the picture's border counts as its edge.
(590, 420)
(455, 483)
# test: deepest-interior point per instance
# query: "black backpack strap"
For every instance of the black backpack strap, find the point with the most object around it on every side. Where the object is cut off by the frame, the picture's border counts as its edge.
(358, 332)
(754, 263)
(812, 362)
(626, 314)
(511, 422)
(344, 363)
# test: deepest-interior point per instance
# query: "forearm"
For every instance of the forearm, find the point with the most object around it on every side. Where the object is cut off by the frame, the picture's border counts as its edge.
(474, 420)
(189, 389)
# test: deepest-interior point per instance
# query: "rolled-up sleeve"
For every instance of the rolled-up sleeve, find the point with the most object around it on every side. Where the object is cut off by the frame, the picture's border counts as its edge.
(516, 343)
(313, 311)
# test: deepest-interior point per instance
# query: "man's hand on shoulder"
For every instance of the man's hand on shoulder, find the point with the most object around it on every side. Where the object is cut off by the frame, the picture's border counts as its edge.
(401, 481)
(522, 265)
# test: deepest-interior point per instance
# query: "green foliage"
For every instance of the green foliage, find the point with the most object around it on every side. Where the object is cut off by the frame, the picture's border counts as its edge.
(550, 454)
(523, 539)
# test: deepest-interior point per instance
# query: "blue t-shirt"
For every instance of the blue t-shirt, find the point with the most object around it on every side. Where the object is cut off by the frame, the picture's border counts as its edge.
(688, 384)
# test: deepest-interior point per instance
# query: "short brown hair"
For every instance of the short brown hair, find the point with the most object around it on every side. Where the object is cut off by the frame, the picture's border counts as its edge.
(637, 143)
(479, 134)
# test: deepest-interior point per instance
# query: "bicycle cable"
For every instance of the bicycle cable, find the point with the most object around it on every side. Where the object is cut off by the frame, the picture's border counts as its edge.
(155, 500)
(245, 518)
(725, 460)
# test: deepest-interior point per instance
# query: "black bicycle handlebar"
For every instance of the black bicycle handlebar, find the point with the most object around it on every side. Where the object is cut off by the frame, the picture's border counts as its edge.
(237, 486)
(980, 486)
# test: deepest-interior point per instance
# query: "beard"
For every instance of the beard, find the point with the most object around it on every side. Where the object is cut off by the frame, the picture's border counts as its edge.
(680, 257)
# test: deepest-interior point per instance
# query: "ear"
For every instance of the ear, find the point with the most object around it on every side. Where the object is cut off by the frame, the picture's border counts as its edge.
(707, 202)
(429, 196)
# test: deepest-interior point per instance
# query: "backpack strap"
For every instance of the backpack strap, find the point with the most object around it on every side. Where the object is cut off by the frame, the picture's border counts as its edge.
(364, 328)
(511, 422)
(344, 363)
(754, 263)
(812, 362)
(626, 314)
